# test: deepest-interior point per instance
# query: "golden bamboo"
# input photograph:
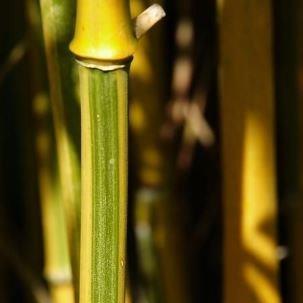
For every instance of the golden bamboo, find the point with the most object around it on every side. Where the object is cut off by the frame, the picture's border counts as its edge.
(247, 112)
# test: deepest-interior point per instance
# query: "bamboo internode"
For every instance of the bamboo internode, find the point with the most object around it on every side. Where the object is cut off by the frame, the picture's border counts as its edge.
(247, 113)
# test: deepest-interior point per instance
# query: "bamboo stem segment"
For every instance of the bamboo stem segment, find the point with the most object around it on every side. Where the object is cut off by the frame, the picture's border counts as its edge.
(103, 44)
(104, 184)
(247, 111)
(57, 23)
(103, 30)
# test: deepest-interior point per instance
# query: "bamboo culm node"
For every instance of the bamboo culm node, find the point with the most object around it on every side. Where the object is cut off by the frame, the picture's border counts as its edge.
(113, 46)
(104, 44)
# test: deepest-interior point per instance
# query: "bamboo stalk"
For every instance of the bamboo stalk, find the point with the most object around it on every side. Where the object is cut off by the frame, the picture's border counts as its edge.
(57, 21)
(57, 263)
(148, 156)
(247, 112)
(103, 44)
(56, 257)
(104, 122)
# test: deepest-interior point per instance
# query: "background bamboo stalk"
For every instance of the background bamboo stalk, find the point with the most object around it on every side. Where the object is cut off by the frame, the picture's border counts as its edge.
(56, 261)
(247, 113)
(147, 156)
(157, 223)
(58, 26)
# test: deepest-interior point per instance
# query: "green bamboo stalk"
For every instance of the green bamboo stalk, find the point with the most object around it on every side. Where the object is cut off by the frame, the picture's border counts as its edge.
(56, 257)
(57, 22)
(104, 42)
(104, 148)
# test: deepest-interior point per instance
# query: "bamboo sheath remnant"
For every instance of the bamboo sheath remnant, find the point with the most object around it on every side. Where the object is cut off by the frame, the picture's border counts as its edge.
(103, 44)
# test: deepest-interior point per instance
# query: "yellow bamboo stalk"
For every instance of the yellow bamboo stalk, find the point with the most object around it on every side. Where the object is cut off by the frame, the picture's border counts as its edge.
(146, 117)
(147, 105)
(247, 113)
(158, 249)
(57, 263)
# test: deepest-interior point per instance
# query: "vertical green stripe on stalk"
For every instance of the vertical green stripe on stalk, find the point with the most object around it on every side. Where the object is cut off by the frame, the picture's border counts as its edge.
(104, 185)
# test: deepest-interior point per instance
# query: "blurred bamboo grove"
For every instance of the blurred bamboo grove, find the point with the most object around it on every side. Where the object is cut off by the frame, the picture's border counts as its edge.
(161, 169)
